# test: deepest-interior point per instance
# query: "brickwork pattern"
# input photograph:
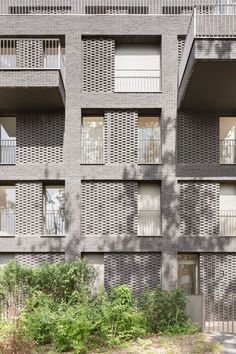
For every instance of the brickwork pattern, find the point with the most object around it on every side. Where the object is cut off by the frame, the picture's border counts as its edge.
(29, 53)
(109, 208)
(218, 283)
(29, 208)
(39, 138)
(121, 131)
(181, 43)
(198, 137)
(137, 270)
(34, 259)
(199, 208)
(98, 65)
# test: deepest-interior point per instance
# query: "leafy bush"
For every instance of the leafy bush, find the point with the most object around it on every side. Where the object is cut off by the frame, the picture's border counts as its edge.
(37, 320)
(59, 280)
(165, 311)
(13, 341)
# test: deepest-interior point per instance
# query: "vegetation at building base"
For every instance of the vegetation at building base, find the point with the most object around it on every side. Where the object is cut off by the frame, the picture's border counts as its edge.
(60, 308)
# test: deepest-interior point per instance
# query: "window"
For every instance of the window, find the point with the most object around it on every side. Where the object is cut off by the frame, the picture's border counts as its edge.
(149, 140)
(188, 273)
(7, 210)
(228, 140)
(149, 209)
(54, 210)
(92, 145)
(137, 68)
(7, 53)
(97, 260)
(7, 140)
(228, 209)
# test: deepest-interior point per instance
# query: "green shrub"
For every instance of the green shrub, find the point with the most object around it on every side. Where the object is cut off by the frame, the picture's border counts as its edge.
(59, 280)
(165, 311)
(37, 320)
(13, 341)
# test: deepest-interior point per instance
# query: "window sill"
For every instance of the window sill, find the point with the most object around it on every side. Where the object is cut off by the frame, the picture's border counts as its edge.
(91, 163)
(150, 163)
(53, 236)
(149, 235)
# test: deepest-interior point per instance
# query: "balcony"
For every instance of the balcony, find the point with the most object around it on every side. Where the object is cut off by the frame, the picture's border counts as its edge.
(228, 222)
(149, 151)
(7, 152)
(92, 152)
(137, 81)
(149, 223)
(207, 69)
(101, 7)
(54, 223)
(7, 222)
(31, 74)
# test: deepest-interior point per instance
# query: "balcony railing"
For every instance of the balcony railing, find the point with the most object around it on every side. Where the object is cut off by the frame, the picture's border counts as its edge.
(54, 223)
(137, 81)
(149, 151)
(7, 152)
(208, 21)
(228, 222)
(149, 223)
(7, 222)
(31, 53)
(92, 151)
(228, 151)
(101, 7)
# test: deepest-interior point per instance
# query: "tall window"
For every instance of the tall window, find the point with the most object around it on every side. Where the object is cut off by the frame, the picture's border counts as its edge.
(228, 209)
(7, 210)
(149, 219)
(188, 273)
(228, 140)
(54, 210)
(7, 140)
(137, 68)
(149, 140)
(92, 145)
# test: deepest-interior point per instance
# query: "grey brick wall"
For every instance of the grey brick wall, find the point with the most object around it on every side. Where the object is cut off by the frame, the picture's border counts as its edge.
(109, 208)
(34, 259)
(121, 134)
(29, 208)
(98, 65)
(39, 138)
(29, 53)
(218, 283)
(198, 137)
(199, 208)
(138, 270)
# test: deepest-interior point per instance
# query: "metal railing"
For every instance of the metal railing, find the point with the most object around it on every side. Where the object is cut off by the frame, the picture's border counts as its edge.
(54, 223)
(138, 81)
(31, 53)
(220, 312)
(102, 7)
(228, 222)
(228, 151)
(7, 152)
(149, 223)
(92, 151)
(149, 151)
(213, 21)
(7, 222)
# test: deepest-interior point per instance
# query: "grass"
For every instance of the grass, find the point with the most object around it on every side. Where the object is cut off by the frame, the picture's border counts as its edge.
(190, 344)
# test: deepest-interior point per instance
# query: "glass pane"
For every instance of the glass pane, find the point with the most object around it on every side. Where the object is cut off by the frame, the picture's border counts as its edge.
(187, 273)
(7, 197)
(93, 128)
(55, 210)
(55, 198)
(149, 209)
